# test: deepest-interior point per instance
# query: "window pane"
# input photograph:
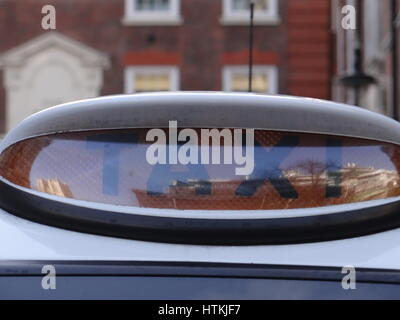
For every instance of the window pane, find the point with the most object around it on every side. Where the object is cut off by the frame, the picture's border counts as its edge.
(152, 5)
(152, 82)
(240, 82)
(261, 5)
(260, 83)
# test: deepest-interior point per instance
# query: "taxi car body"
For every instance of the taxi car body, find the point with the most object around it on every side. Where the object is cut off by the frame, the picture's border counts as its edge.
(123, 197)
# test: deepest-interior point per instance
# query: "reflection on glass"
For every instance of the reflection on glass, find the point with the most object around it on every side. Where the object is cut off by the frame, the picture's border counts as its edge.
(291, 170)
(54, 187)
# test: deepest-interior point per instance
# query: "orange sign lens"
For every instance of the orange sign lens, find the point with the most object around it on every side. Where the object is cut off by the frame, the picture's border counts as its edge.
(285, 170)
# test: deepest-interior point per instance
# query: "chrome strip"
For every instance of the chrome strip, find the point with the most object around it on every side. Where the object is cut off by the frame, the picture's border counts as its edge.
(208, 110)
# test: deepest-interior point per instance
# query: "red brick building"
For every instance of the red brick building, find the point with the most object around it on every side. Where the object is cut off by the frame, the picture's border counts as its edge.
(103, 47)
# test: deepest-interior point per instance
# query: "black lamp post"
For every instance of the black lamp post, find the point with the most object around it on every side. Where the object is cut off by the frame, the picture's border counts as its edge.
(251, 40)
(358, 79)
(395, 59)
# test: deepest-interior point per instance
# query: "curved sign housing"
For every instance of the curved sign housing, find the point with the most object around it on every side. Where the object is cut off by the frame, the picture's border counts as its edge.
(285, 170)
(205, 168)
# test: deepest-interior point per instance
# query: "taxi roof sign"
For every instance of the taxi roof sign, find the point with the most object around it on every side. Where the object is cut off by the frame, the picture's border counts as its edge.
(287, 170)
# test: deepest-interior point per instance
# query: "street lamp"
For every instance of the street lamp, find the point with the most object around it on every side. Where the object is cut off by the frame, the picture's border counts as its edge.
(358, 79)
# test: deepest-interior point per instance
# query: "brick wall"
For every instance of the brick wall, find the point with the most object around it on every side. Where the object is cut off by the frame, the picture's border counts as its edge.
(300, 45)
(310, 54)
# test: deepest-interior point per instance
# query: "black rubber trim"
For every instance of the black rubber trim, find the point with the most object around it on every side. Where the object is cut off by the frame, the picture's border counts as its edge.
(199, 231)
(193, 269)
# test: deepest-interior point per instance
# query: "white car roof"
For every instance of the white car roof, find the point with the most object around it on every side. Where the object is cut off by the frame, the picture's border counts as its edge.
(26, 240)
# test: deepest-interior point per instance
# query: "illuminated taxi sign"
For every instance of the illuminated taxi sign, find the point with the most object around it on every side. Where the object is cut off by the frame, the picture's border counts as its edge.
(286, 170)
(154, 167)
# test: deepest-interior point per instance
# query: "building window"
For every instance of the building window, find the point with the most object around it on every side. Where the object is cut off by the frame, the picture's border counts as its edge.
(151, 79)
(152, 12)
(236, 78)
(236, 12)
(152, 5)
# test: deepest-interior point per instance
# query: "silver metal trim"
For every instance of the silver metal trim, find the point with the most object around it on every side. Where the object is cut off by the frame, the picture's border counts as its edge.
(208, 110)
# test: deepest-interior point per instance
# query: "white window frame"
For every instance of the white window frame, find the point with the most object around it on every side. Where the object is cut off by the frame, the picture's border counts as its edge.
(134, 17)
(269, 70)
(131, 72)
(230, 17)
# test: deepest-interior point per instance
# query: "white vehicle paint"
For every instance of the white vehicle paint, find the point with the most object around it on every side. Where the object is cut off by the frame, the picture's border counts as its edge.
(26, 240)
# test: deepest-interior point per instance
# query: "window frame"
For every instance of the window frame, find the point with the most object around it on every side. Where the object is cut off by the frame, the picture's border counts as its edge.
(229, 17)
(133, 17)
(130, 73)
(270, 71)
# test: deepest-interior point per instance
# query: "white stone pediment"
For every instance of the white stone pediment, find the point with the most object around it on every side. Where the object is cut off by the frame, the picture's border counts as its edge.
(19, 55)
(48, 70)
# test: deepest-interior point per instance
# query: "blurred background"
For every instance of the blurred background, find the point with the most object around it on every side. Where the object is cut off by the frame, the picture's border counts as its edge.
(312, 48)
